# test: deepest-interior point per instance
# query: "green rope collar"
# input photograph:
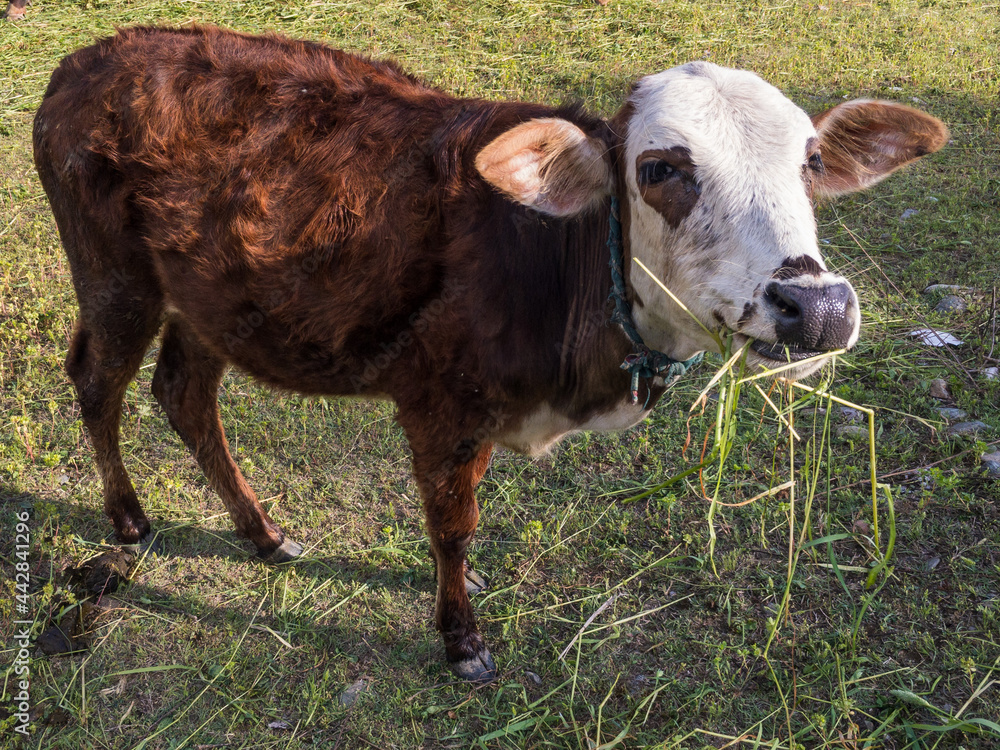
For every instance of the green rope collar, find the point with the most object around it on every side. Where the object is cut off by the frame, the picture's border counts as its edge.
(643, 362)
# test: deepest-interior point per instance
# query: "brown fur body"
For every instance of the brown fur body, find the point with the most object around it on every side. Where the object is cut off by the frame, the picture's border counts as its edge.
(316, 219)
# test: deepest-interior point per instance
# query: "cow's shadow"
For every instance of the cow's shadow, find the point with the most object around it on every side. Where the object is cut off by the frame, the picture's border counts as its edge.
(201, 630)
(349, 575)
(181, 539)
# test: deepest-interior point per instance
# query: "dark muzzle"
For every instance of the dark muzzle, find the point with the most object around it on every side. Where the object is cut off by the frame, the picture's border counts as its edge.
(812, 318)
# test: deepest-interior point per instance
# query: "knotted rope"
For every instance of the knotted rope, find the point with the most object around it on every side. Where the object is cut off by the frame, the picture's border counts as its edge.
(643, 362)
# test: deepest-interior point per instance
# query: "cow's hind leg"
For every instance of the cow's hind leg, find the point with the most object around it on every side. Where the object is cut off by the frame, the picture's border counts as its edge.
(186, 384)
(104, 356)
(450, 509)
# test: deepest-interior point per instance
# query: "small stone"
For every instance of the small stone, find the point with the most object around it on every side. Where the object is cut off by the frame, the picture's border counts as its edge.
(280, 725)
(932, 563)
(945, 289)
(852, 432)
(951, 414)
(64, 479)
(939, 389)
(851, 415)
(350, 695)
(950, 304)
(908, 213)
(991, 463)
(533, 677)
(54, 641)
(991, 373)
(637, 684)
(967, 428)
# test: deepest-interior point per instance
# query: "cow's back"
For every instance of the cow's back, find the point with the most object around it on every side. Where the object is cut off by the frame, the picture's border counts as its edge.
(303, 208)
(204, 124)
(266, 179)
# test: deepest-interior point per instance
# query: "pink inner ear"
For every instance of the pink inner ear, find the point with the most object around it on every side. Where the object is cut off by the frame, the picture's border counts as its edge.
(893, 145)
(547, 164)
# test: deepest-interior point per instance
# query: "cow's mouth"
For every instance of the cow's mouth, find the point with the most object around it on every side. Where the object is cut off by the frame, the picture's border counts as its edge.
(782, 352)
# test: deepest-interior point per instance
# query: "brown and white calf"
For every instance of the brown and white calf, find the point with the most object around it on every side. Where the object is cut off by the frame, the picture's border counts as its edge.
(331, 225)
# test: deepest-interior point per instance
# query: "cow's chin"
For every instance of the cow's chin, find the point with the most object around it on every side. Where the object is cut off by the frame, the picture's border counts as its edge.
(765, 356)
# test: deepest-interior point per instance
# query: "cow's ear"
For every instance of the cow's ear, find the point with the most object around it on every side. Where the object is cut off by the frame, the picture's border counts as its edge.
(863, 141)
(548, 164)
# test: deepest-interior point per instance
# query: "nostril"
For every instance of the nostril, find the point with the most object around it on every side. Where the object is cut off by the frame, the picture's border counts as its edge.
(814, 317)
(783, 303)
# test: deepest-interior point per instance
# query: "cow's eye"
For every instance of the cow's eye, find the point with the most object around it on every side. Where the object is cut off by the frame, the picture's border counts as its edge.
(652, 172)
(816, 162)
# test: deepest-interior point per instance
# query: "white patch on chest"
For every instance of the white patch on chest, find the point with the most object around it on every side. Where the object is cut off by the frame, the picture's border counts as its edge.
(540, 430)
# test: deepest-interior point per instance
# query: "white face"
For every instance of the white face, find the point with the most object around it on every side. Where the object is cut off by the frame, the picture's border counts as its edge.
(717, 169)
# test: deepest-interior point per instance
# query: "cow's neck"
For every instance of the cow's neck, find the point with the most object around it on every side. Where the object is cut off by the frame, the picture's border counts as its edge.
(643, 362)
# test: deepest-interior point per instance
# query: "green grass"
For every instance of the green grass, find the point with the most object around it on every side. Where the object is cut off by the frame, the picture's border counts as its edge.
(206, 647)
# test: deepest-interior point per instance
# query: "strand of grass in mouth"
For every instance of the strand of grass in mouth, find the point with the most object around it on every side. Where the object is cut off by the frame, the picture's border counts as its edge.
(722, 348)
(714, 336)
(720, 449)
(771, 372)
(871, 447)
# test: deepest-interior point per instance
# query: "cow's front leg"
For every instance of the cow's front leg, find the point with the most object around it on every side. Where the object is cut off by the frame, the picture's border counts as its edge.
(451, 512)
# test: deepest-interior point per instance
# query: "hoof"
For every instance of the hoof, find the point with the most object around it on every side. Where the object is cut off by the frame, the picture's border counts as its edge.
(151, 544)
(287, 552)
(474, 583)
(479, 669)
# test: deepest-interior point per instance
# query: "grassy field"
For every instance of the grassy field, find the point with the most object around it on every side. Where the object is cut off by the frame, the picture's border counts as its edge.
(769, 639)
